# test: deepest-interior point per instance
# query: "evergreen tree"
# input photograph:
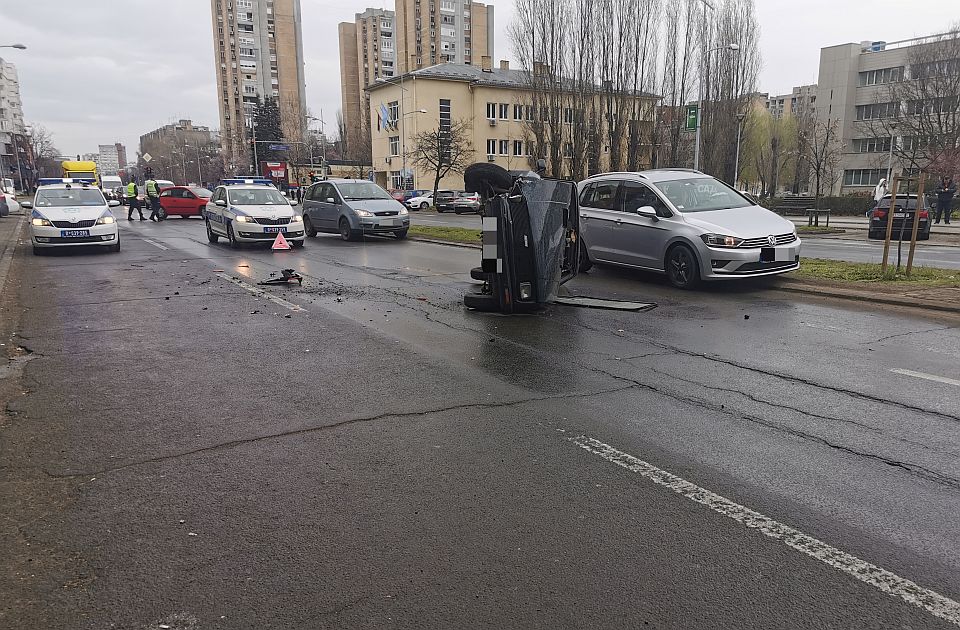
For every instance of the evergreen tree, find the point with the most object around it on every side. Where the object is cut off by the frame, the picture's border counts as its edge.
(268, 128)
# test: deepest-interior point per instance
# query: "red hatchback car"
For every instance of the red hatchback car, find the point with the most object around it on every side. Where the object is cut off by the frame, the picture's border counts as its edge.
(186, 201)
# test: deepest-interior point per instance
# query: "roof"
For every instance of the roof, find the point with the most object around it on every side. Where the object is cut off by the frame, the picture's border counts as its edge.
(497, 77)
(656, 175)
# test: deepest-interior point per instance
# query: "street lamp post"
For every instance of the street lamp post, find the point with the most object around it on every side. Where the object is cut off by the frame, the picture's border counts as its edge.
(17, 46)
(696, 150)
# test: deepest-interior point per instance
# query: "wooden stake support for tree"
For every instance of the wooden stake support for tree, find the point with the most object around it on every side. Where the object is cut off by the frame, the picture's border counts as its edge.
(906, 181)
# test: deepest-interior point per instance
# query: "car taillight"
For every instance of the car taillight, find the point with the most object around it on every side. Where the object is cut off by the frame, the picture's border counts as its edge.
(879, 213)
(924, 214)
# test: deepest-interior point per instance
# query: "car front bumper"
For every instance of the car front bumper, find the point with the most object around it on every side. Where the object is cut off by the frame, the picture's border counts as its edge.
(46, 236)
(723, 263)
(383, 224)
(256, 233)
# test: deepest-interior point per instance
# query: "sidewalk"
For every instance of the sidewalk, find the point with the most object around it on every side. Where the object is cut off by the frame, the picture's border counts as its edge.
(10, 229)
(861, 223)
(941, 299)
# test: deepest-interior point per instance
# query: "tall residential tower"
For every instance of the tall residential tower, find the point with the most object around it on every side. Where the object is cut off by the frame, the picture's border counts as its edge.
(258, 49)
(442, 31)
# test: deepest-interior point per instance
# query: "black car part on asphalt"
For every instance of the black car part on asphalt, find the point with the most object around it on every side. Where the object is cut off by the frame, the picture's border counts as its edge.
(531, 236)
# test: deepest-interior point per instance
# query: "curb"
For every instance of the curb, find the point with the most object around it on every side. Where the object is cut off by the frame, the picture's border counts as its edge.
(798, 286)
(8, 245)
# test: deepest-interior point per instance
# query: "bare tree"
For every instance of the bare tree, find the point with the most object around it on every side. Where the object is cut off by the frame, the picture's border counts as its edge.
(43, 152)
(680, 41)
(824, 151)
(443, 151)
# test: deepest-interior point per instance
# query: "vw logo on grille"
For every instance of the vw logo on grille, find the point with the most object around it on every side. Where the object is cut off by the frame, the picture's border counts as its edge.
(772, 239)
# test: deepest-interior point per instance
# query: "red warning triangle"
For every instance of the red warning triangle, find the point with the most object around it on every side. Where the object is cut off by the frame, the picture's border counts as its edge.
(280, 243)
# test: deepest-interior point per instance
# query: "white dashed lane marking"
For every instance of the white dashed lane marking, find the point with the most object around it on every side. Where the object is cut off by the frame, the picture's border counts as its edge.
(927, 377)
(881, 579)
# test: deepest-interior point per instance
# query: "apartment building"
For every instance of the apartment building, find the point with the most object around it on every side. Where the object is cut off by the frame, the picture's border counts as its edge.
(11, 113)
(854, 92)
(494, 101)
(367, 53)
(112, 159)
(442, 31)
(258, 52)
(802, 100)
(172, 146)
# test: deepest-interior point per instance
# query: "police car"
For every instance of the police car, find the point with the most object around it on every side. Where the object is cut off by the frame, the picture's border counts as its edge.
(251, 211)
(68, 213)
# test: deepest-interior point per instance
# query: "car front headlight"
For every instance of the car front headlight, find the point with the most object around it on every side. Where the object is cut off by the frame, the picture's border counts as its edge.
(403, 211)
(106, 219)
(40, 221)
(721, 240)
(242, 218)
(363, 213)
(296, 219)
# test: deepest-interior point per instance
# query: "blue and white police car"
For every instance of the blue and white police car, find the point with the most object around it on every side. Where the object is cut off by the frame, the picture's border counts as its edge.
(252, 211)
(68, 213)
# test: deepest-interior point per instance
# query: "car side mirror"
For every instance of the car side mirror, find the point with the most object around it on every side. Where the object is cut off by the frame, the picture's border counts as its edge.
(221, 203)
(294, 202)
(331, 200)
(648, 212)
(26, 205)
(113, 203)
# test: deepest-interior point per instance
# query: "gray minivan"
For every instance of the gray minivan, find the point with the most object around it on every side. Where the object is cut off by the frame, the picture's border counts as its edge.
(352, 208)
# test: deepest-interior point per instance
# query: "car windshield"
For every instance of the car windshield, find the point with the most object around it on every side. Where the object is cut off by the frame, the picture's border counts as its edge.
(365, 190)
(701, 194)
(201, 192)
(60, 197)
(257, 197)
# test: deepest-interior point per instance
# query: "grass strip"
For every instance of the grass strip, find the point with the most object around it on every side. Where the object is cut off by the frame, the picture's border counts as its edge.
(449, 234)
(870, 273)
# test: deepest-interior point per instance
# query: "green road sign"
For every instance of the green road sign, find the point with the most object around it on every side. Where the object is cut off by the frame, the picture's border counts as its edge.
(692, 111)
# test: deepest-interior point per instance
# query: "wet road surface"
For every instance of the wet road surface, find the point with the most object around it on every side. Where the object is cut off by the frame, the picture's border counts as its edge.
(363, 451)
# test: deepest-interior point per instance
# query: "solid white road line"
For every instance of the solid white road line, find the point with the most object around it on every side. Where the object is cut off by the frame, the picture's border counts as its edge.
(934, 603)
(156, 244)
(260, 293)
(928, 377)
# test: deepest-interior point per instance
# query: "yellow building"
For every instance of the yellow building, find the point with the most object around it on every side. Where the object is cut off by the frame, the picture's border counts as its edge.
(495, 103)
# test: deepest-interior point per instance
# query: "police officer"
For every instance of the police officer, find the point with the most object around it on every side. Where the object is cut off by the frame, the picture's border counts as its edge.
(133, 201)
(153, 196)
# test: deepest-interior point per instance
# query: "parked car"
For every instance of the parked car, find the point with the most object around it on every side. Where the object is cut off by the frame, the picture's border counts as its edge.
(185, 201)
(903, 212)
(352, 208)
(444, 198)
(9, 195)
(466, 203)
(421, 202)
(684, 224)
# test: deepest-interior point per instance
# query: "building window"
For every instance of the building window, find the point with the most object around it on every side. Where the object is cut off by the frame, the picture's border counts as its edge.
(518, 147)
(568, 116)
(491, 110)
(504, 111)
(393, 108)
(396, 181)
(871, 145)
(880, 77)
(394, 145)
(876, 111)
(491, 147)
(504, 147)
(518, 112)
(445, 115)
(863, 176)
(528, 112)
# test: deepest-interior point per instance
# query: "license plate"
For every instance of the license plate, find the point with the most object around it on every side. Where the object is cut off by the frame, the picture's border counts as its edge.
(768, 254)
(274, 230)
(389, 222)
(74, 233)
(898, 215)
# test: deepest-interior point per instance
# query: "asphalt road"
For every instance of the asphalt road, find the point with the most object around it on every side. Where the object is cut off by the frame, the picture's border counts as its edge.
(182, 449)
(854, 249)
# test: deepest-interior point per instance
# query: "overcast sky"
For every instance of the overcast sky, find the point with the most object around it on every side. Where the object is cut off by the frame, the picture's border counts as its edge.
(91, 79)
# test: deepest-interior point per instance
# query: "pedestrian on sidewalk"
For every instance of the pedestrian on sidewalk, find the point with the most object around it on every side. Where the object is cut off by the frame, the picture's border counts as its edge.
(133, 201)
(945, 196)
(153, 197)
(878, 194)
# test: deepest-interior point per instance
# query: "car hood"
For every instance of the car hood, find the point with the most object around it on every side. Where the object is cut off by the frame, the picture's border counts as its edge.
(376, 205)
(751, 222)
(271, 211)
(72, 213)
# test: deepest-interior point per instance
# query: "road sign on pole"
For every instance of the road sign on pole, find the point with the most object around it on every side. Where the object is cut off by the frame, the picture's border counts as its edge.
(693, 111)
(278, 147)
(147, 157)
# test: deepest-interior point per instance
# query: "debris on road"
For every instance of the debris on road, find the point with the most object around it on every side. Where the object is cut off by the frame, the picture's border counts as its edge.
(287, 276)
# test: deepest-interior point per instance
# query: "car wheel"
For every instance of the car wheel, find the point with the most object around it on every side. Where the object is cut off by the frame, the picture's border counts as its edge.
(116, 246)
(346, 232)
(482, 302)
(400, 234)
(232, 238)
(923, 236)
(184, 216)
(297, 244)
(39, 251)
(439, 210)
(585, 263)
(874, 235)
(682, 268)
(308, 227)
(211, 236)
(424, 205)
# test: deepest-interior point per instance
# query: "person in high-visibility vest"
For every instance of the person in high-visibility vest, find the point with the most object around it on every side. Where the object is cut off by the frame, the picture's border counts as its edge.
(153, 196)
(133, 201)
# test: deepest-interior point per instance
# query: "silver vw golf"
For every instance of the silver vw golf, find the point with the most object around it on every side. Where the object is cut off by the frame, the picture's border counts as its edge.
(683, 223)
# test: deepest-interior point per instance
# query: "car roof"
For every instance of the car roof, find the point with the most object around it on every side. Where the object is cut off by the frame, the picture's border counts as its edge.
(345, 180)
(237, 187)
(652, 175)
(65, 186)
